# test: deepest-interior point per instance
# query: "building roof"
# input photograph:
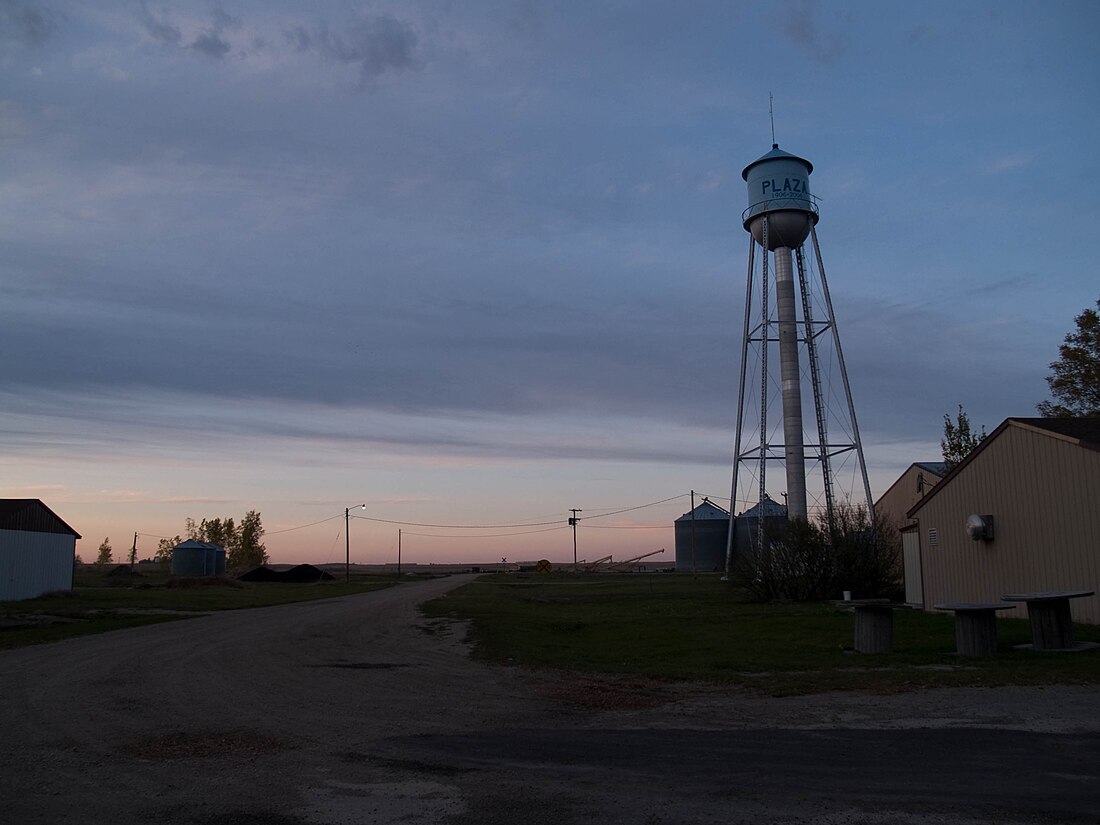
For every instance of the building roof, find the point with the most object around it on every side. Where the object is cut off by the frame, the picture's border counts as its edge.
(32, 516)
(937, 467)
(1082, 432)
(706, 509)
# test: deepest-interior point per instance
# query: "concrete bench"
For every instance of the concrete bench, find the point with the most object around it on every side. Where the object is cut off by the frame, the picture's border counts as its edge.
(975, 626)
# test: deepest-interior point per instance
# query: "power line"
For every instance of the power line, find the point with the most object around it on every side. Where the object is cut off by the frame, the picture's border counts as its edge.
(455, 527)
(486, 535)
(300, 526)
(550, 525)
(639, 507)
(629, 526)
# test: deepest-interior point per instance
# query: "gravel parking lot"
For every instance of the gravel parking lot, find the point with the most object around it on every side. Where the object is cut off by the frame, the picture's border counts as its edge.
(358, 710)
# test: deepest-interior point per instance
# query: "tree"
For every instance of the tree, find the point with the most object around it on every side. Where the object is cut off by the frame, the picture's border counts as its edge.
(958, 440)
(1075, 377)
(104, 557)
(241, 542)
(222, 532)
(248, 551)
(164, 549)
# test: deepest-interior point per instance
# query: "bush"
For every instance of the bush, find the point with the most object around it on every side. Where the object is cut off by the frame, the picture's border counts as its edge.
(810, 561)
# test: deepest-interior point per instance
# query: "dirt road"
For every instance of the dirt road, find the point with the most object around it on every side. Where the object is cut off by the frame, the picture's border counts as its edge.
(357, 710)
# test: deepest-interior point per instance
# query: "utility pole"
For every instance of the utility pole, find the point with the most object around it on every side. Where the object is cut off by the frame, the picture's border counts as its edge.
(398, 552)
(573, 524)
(693, 534)
(347, 542)
(133, 554)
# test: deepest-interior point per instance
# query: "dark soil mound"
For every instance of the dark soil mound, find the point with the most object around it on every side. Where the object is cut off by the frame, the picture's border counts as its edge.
(301, 574)
(306, 573)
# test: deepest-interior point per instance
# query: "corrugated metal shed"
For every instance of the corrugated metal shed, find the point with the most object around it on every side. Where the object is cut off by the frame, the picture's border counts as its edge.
(1040, 480)
(37, 549)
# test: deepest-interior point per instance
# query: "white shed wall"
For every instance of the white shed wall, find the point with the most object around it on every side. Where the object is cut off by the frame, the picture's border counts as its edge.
(32, 564)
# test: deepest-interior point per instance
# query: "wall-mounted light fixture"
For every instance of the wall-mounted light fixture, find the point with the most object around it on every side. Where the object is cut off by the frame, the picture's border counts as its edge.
(979, 528)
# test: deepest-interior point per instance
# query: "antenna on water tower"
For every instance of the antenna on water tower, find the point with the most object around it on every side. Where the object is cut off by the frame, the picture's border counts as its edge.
(781, 216)
(771, 114)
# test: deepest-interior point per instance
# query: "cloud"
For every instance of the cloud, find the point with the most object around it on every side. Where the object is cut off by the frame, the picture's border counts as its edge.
(26, 25)
(211, 42)
(1008, 163)
(799, 24)
(160, 28)
(376, 45)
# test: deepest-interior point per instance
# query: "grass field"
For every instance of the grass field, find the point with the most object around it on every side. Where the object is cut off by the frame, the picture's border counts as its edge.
(99, 602)
(672, 627)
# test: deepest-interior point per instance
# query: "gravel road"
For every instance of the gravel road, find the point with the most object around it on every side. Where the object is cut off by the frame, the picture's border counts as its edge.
(358, 710)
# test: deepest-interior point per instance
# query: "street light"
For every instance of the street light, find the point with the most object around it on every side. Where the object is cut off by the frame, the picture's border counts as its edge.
(347, 542)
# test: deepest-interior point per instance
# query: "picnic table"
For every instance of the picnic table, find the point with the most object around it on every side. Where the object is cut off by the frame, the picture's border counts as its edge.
(975, 626)
(874, 624)
(1049, 614)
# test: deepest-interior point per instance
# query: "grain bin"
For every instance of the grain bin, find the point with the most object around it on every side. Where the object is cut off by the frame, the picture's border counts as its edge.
(711, 528)
(196, 558)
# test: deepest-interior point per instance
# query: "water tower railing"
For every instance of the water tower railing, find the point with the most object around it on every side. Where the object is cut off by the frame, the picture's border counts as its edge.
(802, 203)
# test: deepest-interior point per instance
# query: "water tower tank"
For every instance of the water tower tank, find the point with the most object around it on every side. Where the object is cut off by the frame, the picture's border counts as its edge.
(779, 187)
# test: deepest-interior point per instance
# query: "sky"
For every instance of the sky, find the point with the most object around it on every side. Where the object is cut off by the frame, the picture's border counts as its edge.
(476, 264)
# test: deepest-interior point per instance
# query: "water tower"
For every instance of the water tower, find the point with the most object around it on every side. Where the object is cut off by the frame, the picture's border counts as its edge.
(798, 325)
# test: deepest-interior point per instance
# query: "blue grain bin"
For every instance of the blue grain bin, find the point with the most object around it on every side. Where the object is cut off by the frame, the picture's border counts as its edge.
(219, 562)
(779, 187)
(196, 558)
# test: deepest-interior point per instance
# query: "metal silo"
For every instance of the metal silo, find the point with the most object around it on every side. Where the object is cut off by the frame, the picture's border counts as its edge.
(782, 214)
(701, 539)
(197, 558)
(189, 559)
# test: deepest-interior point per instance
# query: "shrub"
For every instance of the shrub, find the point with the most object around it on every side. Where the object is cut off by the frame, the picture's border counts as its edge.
(809, 561)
